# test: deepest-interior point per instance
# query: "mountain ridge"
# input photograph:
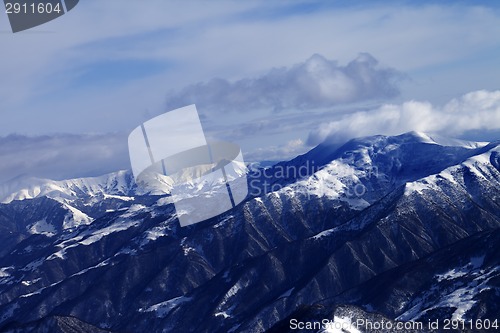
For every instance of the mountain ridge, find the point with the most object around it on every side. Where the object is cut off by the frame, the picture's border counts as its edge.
(308, 239)
(121, 182)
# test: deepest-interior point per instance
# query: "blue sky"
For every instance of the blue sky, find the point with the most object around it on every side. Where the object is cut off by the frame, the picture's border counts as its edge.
(275, 77)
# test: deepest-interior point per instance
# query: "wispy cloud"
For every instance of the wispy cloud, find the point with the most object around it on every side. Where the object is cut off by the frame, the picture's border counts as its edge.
(278, 153)
(62, 156)
(478, 110)
(317, 82)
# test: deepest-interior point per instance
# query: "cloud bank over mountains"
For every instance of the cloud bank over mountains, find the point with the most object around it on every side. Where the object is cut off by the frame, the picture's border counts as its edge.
(315, 83)
(62, 156)
(474, 111)
(69, 156)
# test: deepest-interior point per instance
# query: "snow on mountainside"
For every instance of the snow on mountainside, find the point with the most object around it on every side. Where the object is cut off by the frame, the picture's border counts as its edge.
(478, 165)
(416, 218)
(366, 164)
(442, 141)
(119, 183)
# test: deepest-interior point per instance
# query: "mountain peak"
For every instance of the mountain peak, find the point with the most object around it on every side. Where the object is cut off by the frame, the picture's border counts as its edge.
(417, 136)
(437, 139)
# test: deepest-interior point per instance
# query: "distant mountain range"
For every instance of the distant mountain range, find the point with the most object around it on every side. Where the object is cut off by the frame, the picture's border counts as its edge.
(398, 228)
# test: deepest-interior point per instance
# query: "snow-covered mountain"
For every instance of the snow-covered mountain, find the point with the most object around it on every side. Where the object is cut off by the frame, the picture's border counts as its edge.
(393, 228)
(119, 183)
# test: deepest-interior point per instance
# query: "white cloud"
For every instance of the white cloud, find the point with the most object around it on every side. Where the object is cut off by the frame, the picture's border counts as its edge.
(315, 83)
(478, 110)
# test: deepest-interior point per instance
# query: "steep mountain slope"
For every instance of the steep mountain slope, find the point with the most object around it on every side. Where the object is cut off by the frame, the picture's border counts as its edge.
(372, 212)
